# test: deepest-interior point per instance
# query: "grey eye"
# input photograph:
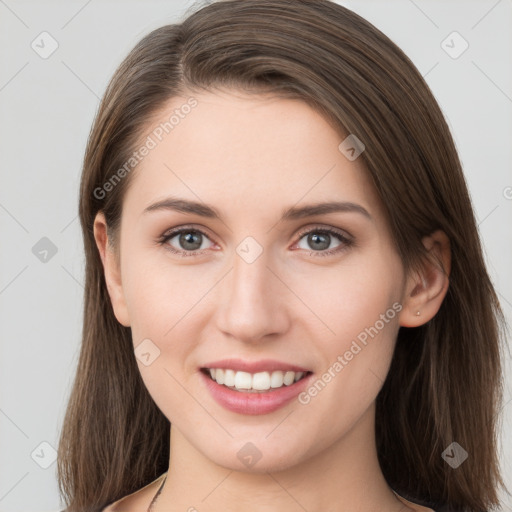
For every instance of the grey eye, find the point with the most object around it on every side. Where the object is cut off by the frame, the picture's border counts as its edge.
(318, 240)
(189, 240)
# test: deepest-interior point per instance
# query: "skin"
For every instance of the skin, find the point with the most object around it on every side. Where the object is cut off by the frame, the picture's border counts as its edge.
(252, 156)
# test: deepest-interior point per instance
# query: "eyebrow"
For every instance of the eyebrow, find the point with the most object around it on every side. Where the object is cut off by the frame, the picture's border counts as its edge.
(293, 213)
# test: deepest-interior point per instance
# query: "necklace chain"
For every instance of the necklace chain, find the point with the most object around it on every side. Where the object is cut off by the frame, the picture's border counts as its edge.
(150, 508)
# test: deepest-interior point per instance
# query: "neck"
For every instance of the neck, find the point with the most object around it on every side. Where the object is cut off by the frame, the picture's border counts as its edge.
(344, 476)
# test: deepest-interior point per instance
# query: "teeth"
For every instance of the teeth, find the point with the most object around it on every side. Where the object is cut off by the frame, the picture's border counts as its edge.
(229, 378)
(262, 381)
(243, 380)
(289, 378)
(276, 379)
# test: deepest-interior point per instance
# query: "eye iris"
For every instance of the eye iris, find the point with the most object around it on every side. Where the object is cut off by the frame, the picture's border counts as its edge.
(191, 240)
(187, 239)
(315, 237)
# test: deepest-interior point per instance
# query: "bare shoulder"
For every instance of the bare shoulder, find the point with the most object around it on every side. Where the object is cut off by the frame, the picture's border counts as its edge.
(137, 501)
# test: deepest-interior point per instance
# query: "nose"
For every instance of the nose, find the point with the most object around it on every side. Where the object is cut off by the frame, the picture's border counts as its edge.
(253, 301)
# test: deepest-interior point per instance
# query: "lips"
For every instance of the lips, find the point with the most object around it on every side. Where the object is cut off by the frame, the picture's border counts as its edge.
(250, 401)
(263, 365)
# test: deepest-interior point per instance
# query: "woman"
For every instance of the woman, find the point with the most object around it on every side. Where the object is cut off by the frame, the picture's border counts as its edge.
(286, 304)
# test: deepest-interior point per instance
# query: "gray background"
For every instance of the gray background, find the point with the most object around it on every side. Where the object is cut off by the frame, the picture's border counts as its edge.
(46, 110)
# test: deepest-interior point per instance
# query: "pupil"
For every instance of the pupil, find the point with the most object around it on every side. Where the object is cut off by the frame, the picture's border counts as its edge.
(315, 238)
(191, 240)
(188, 239)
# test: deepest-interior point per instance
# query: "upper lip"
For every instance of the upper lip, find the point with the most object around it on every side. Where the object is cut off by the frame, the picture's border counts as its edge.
(263, 365)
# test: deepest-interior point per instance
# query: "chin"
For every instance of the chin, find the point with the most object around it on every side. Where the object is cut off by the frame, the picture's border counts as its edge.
(257, 458)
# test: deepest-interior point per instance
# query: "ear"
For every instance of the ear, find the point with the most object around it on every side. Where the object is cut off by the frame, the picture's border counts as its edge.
(426, 288)
(111, 266)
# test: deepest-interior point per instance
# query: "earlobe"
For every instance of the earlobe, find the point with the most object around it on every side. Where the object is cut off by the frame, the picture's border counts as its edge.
(426, 287)
(112, 270)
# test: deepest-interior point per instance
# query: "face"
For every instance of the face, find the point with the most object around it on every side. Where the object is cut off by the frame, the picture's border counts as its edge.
(317, 291)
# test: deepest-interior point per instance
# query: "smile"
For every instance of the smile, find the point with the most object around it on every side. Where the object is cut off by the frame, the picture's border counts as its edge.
(254, 382)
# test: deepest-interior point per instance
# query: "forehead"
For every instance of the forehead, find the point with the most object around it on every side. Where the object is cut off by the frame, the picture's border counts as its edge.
(233, 149)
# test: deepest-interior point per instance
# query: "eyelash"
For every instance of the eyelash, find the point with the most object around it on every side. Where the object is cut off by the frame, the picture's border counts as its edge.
(346, 242)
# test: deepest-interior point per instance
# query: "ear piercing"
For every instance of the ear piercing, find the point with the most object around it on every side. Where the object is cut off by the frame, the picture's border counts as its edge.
(417, 313)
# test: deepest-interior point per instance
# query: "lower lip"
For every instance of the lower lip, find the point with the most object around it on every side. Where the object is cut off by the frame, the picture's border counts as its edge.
(254, 403)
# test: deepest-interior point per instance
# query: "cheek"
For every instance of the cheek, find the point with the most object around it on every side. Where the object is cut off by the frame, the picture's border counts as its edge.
(164, 303)
(159, 293)
(360, 305)
(353, 296)
(160, 301)
(355, 366)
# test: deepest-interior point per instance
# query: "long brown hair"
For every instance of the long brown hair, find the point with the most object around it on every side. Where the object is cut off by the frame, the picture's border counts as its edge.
(445, 381)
